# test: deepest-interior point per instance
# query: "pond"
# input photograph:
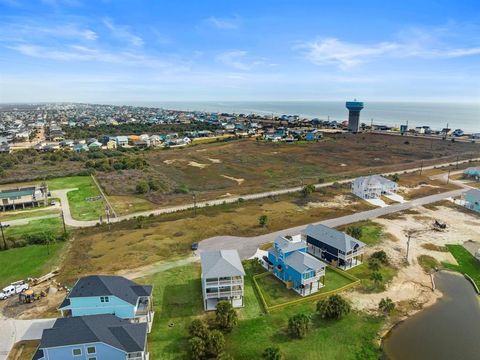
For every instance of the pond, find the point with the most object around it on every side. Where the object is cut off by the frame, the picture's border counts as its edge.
(450, 329)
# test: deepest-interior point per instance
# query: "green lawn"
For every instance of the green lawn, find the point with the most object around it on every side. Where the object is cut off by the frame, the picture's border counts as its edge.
(275, 292)
(27, 213)
(35, 226)
(80, 208)
(372, 232)
(178, 300)
(363, 273)
(29, 261)
(467, 263)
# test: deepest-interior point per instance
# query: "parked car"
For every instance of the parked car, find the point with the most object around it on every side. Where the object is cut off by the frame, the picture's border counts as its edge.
(458, 132)
(194, 246)
(12, 289)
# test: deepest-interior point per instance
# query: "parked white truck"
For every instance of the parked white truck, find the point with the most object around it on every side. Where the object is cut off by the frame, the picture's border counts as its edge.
(14, 288)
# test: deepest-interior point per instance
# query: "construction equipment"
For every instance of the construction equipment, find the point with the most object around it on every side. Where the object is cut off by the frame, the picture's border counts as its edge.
(439, 225)
(28, 296)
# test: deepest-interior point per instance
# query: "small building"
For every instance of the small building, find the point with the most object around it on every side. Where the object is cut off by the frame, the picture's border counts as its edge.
(472, 200)
(95, 145)
(472, 173)
(373, 187)
(289, 261)
(222, 278)
(122, 141)
(314, 135)
(333, 246)
(102, 294)
(78, 148)
(20, 197)
(93, 337)
(111, 144)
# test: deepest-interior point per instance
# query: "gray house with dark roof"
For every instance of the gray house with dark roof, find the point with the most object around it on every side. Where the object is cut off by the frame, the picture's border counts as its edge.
(95, 337)
(333, 246)
(106, 294)
(222, 278)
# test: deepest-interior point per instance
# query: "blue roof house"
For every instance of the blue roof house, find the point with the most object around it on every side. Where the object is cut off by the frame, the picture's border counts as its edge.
(333, 246)
(95, 337)
(102, 294)
(313, 135)
(472, 200)
(290, 262)
(472, 173)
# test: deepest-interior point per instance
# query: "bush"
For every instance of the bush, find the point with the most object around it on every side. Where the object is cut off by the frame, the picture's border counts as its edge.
(374, 264)
(215, 343)
(182, 189)
(354, 231)
(142, 187)
(386, 305)
(298, 325)
(263, 220)
(225, 315)
(308, 190)
(272, 353)
(380, 256)
(334, 307)
(154, 185)
(198, 328)
(197, 348)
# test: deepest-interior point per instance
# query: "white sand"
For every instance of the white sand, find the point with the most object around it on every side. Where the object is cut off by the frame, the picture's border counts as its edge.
(239, 180)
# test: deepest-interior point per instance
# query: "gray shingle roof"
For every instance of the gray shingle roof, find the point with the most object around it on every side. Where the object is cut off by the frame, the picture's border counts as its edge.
(221, 263)
(374, 180)
(108, 329)
(332, 237)
(107, 285)
(302, 262)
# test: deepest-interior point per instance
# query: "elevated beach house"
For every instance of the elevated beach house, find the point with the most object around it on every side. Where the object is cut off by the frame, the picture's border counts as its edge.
(472, 173)
(102, 294)
(222, 278)
(472, 200)
(94, 337)
(20, 197)
(289, 261)
(333, 246)
(373, 187)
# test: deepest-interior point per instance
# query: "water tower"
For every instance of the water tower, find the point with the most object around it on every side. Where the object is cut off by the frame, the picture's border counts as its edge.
(354, 107)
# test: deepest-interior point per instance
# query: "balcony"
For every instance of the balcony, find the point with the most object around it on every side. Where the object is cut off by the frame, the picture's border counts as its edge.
(315, 278)
(214, 283)
(223, 294)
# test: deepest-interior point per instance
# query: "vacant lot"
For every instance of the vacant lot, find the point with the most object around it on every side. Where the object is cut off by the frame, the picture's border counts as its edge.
(246, 166)
(178, 301)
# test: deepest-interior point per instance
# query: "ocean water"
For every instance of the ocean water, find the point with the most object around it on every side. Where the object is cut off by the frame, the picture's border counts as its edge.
(465, 116)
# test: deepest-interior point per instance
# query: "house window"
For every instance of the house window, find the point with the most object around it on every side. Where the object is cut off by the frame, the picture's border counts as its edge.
(104, 299)
(91, 350)
(92, 358)
(77, 352)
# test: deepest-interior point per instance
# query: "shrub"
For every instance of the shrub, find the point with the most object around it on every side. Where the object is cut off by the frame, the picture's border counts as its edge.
(386, 305)
(272, 353)
(380, 256)
(215, 343)
(182, 189)
(198, 328)
(197, 348)
(308, 190)
(376, 277)
(354, 231)
(298, 325)
(142, 187)
(263, 220)
(334, 307)
(154, 185)
(225, 315)
(374, 264)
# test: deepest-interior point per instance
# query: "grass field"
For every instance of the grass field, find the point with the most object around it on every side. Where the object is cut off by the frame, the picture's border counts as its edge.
(372, 232)
(467, 263)
(29, 261)
(367, 285)
(34, 226)
(275, 292)
(27, 213)
(178, 300)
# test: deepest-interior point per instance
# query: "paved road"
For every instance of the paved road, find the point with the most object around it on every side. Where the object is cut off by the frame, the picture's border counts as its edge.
(247, 246)
(12, 331)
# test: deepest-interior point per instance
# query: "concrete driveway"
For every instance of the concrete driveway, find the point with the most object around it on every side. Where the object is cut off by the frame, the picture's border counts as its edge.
(247, 246)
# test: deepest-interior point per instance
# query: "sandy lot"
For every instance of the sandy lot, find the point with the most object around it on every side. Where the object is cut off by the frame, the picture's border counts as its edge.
(337, 202)
(411, 289)
(239, 181)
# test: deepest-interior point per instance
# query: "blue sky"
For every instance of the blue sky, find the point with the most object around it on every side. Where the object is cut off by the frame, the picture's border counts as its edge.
(119, 50)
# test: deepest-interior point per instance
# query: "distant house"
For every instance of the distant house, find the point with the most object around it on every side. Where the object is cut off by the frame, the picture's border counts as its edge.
(472, 173)
(333, 246)
(95, 145)
(222, 278)
(94, 337)
(111, 144)
(80, 148)
(155, 140)
(20, 197)
(313, 135)
(373, 187)
(290, 262)
(122, 141)
(472, 200)
(102, 294)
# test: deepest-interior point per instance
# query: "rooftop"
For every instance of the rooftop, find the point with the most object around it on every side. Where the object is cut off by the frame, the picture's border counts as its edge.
(223, 263)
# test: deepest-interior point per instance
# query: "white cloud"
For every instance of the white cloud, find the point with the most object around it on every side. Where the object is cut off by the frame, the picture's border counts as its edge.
(239, 60)
(224, 23)
(27, 31)
(123, 33)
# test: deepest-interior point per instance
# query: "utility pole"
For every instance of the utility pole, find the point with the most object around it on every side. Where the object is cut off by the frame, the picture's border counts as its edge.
(456, 167)
(448, 176)
(5, 247)
(421, 168)
(194, 204)
(408, 245)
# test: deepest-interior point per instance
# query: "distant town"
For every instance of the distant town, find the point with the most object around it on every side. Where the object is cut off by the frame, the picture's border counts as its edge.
(87, 127)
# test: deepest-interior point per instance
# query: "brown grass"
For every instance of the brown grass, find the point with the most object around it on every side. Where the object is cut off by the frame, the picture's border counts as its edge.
(433, 247)
(23, 350)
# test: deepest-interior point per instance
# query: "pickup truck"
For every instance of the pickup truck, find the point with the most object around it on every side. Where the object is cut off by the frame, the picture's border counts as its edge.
(12, 289)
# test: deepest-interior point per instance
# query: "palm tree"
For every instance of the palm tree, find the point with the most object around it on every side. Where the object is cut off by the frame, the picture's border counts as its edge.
(376, 277)
(386, 305)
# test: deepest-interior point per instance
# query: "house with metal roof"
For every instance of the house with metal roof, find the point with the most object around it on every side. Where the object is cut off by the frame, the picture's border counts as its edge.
(20, 197)
(333, 246)
(93, 337)
(107, 294)
(472, 200)
(222, 278)
(472, 173)
(373, 187)
(289, 261)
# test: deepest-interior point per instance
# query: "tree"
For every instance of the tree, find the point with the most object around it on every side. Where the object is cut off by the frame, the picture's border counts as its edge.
(263, 220)
(154, 185)
(333, 308)
(225, 315)
(354, 231)
(272, 353)
(376, 277)
(308, 190)
(374, 264)
(215, 342)
(197, 348)
(142, 187)
(198, 328)
(395, 177)
(386, 305)
(381, 256)
(298, 325)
